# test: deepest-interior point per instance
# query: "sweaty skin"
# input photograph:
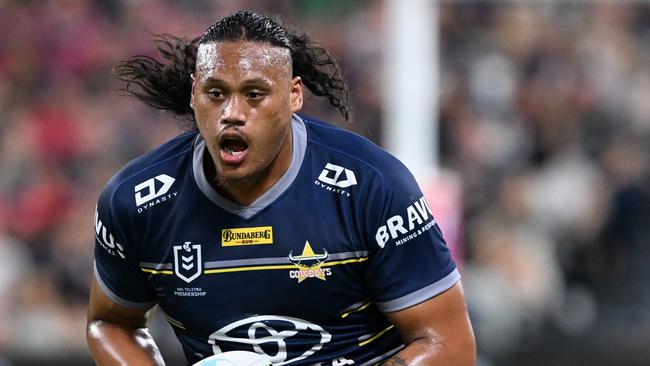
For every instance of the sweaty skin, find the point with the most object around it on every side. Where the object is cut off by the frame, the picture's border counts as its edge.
(243, 96)
(436, 332)
(117, 335)
(242, 91)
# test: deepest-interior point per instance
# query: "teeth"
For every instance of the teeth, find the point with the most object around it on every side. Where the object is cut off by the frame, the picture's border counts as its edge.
(232, 152)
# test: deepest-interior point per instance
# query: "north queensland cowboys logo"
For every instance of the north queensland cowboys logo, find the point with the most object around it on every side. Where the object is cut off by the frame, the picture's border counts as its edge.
(309, 264)
(187, 261)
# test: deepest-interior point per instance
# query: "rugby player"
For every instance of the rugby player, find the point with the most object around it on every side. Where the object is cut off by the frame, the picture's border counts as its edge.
(260, 229)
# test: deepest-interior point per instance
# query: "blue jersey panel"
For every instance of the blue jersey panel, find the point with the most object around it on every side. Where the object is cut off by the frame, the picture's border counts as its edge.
(304, 274)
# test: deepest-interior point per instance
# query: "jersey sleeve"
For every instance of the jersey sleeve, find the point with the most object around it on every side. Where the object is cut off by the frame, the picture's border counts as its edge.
(409, 260)
(116, 266)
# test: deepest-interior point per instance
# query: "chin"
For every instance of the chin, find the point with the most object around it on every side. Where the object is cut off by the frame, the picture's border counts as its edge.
(233, 179)
(243, 176)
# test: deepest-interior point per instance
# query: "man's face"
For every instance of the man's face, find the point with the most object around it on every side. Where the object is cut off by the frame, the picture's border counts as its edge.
(243, 96)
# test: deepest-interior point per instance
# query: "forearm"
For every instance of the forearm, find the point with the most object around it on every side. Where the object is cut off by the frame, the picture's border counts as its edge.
(430, 352)
(118, 345)
(436, 332)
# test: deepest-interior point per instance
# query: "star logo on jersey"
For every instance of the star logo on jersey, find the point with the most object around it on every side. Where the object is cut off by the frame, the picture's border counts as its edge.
(309, 264)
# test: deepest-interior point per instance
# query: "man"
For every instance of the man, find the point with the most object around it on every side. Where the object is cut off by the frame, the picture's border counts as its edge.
(266, 231)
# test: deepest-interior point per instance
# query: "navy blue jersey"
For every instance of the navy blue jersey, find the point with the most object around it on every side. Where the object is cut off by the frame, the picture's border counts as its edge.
(303, 274)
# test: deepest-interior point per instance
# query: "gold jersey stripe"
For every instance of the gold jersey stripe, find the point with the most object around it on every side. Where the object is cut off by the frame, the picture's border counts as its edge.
(154, 271)
(258, 268)
(282, 266)
(174, 322)
(251, 268)
(346, 261)
(345, 315)
(361, 344)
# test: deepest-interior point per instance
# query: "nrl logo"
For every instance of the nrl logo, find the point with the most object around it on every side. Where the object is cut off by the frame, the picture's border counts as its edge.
(309, 264)
(187, 261)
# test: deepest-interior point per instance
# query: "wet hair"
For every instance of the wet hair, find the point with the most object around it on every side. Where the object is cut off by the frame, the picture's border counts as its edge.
(167, 85)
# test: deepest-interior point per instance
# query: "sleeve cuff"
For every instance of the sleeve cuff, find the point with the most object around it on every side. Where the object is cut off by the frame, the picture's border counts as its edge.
(117, 299)
(422, 294)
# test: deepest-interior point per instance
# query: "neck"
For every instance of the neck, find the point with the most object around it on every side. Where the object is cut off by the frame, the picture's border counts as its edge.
(245, 191)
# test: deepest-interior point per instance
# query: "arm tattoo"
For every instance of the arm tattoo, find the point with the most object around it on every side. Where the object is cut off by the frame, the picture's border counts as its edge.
(395, 361)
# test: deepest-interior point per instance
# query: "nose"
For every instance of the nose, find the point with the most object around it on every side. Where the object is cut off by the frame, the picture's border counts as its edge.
(233, 111)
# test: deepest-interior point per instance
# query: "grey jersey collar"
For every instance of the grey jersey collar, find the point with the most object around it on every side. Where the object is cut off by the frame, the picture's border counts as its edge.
(299, 143)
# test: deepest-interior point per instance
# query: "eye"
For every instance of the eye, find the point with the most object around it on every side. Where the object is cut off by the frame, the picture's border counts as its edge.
(254, 94)
(215, 93)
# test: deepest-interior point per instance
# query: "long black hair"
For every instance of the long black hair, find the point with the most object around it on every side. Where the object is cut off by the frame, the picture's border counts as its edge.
(167, 85)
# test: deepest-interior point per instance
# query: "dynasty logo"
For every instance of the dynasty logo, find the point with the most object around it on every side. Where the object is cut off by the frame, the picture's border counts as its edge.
(336, 179)
(151, 193)
(247, 236)
(309, 264)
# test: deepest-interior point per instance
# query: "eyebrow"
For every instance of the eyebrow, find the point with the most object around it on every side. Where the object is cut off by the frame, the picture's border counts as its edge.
(253, 81)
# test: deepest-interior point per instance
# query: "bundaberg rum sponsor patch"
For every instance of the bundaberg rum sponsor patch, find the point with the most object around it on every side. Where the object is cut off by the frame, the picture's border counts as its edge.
(247, 236)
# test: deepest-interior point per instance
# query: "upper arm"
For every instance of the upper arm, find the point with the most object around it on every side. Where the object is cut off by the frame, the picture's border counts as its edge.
(117, 335)
(101, 307)
(118, 278)
(440, 326)
(409, 261)
(120, 292)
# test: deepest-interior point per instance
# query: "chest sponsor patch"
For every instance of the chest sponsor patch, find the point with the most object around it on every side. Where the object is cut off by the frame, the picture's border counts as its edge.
(247, 236)
(283, 339)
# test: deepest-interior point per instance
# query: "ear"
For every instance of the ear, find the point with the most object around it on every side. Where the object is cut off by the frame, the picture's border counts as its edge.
(296, 94)
(192, 92)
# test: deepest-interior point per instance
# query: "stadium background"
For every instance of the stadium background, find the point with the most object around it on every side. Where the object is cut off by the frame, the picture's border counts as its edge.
(544, 118)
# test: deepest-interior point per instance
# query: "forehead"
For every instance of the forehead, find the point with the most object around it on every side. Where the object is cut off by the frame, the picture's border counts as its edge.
(241, 58)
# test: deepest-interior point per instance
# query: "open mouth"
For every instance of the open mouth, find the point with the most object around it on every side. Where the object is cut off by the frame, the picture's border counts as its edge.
(234, 146)
(233, 149)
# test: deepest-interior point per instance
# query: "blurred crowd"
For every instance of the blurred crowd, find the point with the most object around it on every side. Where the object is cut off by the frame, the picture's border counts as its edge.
(544, 118)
